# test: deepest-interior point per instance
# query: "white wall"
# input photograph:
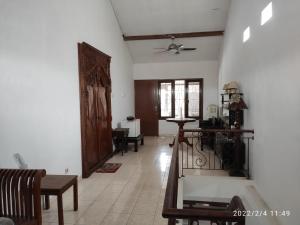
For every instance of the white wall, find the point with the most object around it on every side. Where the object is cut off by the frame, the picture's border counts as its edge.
(268, 66)
(208, 70)
(39, 86)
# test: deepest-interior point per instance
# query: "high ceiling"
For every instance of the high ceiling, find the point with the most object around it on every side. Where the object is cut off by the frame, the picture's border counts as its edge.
(146, 17)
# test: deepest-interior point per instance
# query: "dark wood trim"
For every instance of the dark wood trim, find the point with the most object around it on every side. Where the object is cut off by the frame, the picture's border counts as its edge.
(212, 203)
(82, 113)
(173, 99)
(96, 50)
(219, 130)
(176, 35)
(201, 98)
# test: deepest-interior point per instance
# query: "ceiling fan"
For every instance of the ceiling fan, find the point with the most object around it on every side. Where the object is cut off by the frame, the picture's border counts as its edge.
(175, 48)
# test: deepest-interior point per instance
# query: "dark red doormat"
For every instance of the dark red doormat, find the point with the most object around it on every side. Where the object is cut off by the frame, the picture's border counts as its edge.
(109, 168)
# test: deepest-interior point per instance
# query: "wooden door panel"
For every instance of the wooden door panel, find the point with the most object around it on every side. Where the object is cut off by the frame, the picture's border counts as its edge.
(146, 106)
(95, 107)
(92, 145)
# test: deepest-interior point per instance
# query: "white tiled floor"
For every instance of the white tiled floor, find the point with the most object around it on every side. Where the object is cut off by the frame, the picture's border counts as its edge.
(132, 196)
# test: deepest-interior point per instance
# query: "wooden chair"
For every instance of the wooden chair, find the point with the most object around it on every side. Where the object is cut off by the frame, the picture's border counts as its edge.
(219, 208)
(20, 195)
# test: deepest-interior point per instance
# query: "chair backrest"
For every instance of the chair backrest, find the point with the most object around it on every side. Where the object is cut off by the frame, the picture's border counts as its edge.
(236, 204)
(20, 194)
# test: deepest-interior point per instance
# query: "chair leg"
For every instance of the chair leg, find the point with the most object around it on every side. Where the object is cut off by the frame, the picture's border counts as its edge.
(47, 201)
(142, 140)
(136, 146)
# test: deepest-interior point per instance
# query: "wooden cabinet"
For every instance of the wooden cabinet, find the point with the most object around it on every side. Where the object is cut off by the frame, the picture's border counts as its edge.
(95, 107)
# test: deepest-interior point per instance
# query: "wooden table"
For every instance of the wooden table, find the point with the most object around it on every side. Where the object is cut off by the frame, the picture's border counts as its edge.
(180, 122)
(57, 185)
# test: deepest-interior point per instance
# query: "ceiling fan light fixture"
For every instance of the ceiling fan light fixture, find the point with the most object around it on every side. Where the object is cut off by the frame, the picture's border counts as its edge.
(172, 46)
(176, 48)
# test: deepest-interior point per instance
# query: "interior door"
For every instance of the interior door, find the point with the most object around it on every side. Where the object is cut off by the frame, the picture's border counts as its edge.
(95, 107)
(146, 106)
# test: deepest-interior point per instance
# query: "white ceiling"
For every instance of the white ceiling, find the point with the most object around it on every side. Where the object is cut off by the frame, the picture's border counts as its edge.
(145, 17)
(144, 52)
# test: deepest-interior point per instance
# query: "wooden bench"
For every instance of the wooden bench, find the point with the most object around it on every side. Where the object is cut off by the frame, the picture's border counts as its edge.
(20, 195)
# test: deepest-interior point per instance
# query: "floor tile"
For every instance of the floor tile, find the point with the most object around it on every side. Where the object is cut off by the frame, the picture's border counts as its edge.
(115, 219)
(145, 219)
(134, 195)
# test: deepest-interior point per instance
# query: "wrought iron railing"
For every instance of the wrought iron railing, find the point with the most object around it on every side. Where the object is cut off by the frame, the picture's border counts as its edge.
(215, 149)
(218, 213)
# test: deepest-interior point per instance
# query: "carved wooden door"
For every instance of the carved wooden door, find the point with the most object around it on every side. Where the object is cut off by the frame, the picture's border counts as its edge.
(95, 107)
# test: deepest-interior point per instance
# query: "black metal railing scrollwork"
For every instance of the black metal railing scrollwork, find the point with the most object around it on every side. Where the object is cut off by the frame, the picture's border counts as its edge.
(195, 211)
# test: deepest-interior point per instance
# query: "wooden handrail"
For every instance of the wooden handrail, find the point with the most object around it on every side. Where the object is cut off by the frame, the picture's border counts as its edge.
(170, 201)
(219, 130)
(171, 211)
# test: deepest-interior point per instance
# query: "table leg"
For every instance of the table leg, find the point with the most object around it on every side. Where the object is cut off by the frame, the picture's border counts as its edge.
(47, 202)
(135, 145)
(142, 140)
(173, 143)
(60, 209)
(185, 140)
(75, 195)
(125, 144)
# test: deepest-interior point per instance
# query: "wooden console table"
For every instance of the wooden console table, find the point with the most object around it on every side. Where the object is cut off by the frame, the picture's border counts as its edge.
(57, 185)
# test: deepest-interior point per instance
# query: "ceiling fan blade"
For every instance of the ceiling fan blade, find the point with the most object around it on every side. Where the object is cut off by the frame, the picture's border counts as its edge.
(188, 49)
(166, 50)
(160, 48)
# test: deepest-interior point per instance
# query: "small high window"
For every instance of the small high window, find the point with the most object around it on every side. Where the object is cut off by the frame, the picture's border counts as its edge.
(246, 34)
(267, 13)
